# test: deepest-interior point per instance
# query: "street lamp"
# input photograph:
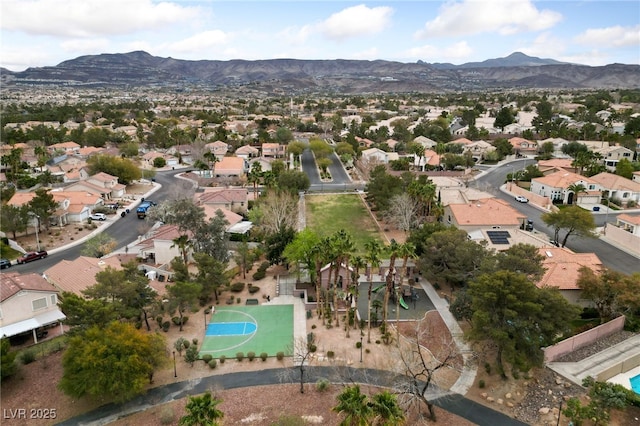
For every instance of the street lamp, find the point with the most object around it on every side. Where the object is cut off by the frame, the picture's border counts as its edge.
(361, 334)
(175, 372)
(37, 225)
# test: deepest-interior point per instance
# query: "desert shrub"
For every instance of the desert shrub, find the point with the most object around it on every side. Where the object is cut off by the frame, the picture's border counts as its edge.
(27, 357)
(186, 344)
(280, 356)
(238, 300)
(263, 266)
(212, 364)
(330, 354)
(194, 341)
(251, 356)
(167, 416)
(237, 287)
(176, 320)
(377, 341)
(165, 326)
(240, 356)
(481, 384)
(259, 274)
(516, 374)
(178, 345)
(207, 357)
(222, 359)
(322, 385)
(313, 327)
(254, 289)
(191, 355)
(263, 356)
(487, 367)
(159, 320)
(367, 351)
(358, 345)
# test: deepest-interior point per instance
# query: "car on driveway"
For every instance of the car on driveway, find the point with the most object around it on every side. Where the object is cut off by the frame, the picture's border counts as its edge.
(5, 263)
(31, 256)
(521, 199)
(98, 216)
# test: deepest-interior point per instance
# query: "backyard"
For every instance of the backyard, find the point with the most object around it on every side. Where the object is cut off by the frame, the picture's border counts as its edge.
(327, 214)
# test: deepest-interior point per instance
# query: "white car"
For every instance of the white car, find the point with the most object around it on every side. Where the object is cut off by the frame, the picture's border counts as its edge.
(98, 216)
(521, 199)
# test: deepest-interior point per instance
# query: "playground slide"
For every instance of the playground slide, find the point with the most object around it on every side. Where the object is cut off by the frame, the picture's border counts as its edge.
(403, 303)
(376, 289)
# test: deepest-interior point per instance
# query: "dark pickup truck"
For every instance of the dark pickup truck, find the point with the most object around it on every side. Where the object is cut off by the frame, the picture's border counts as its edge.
(31, 256)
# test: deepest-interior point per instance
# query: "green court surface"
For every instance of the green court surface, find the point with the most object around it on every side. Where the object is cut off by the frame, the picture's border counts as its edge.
(273, 333)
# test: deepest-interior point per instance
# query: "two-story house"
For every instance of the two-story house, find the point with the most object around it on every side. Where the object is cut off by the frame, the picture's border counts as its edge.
(274, 150)
(611, 156)
(617, 188)
(559, 188)
(28, 304)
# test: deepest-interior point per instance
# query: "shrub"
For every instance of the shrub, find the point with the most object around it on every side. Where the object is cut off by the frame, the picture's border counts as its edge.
(179, 344)
(238, 300)
(240, 356)
(222, 359)
(516, 374)
(159, 320)
(487, 367)
(167, 416)
(481, 384)
(264, 266)
(191, 355)
(254, 289)
(212, 364)
(312, 347)
(194, 341)
(237, 287)
(207, 357)
(280, 356)
(367, 350)
(258, 275)
(263, 356)
(176, 320)
(322, 385)
(330, 354)
(251, 355)
(27, 357)
(186, 343)
(358, 345)
(313, 327)
(165, 326)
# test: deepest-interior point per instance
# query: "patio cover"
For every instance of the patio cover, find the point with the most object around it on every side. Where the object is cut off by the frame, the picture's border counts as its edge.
(37, 321)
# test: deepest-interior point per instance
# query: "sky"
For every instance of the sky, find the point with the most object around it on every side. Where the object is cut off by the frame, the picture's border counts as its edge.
(36, 33)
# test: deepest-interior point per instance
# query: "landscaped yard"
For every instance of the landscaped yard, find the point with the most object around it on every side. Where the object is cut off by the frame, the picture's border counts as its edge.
(327, 214)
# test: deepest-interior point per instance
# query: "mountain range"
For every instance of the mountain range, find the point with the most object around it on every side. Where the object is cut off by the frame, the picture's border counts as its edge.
(289, 76)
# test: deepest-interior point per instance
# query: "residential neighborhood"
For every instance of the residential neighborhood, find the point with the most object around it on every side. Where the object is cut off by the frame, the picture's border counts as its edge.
(265, 207)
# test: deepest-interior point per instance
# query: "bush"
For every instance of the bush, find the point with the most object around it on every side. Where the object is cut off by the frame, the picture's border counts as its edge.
(258, 275)
(186, 344)
(322, 385)
(280, 356)
(167, 416)
(240, 356)
(264, 266)
(194, 341)
(263, 356)
(212, 364)
(207, 357)
(222, 359)
(487, 367)
(358, 345)
(330, 354)
(251, 355)
(176, 320)
(27, 357)
(254, 289)
(481, 384)
(165, 326)
(237, 287)
(191, 355)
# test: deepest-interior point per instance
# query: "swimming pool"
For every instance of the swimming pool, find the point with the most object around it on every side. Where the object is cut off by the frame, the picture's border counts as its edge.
(635, 383)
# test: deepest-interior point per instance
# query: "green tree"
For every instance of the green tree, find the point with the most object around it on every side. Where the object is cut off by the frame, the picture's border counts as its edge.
(574, 220)
(373, 252)
(353, 405)
(385, 409)
(611, 292)
(14, 219)
(183, 296)
(243, 257)
(202, 411)
(521, 258)
(7, 357)
(43, 205)
(504, 118)
(293, 181)
(212, 238)
(300, 253)
(211, 276)
(83, 314)
(183, 243)
(517, 317)
(99, 245)
(284, 135)
(114, 362)
(296, 148)
(126, 170)
(159, 162)
(625, 168)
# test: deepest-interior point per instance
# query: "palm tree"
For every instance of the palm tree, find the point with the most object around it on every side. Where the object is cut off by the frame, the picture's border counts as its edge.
(386, 410)
(577, 188)
(393, 253)
(254, 176)
(405, 251)
(343, 246)
(353, 404)
(357, 262)
(183, 243)
(320, 251)
(202, 411)
(373, 249)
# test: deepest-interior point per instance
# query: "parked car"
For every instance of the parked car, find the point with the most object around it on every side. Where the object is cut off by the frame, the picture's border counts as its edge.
(31, 256)
(98, 216)
(5, 263)
(521, 199)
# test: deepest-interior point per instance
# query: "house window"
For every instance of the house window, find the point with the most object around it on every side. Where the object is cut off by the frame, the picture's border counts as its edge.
(39, 303)
(592, 187)
(53, 300)
(625, 195)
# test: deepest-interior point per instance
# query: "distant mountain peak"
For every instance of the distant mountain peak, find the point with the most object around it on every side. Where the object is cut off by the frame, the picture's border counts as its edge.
(516, 59)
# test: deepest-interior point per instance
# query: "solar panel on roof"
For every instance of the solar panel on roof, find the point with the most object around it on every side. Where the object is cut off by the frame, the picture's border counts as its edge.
(499, 237)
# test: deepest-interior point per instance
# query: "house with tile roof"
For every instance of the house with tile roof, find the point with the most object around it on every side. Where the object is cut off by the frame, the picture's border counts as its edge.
(274, 150)
(232, 199)
(624, 233)
(489, 214)
(425, 142)
(28, 304)
(65, 147)
(478, 149)
(562, 268)
(75, 276)
(231, 167)
(157, 247)
(217, 148)
(247, 151)
(556, 187)
(73, 206)
(618, 188)
(556, 164)
(611, 156)
(523, 146)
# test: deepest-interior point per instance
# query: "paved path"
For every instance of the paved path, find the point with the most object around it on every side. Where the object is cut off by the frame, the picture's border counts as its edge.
(456, 404)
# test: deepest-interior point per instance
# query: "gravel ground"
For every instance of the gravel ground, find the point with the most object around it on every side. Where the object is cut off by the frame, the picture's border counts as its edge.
(600, 345)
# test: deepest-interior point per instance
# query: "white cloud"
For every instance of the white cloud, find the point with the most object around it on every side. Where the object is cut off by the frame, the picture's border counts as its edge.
(368, 54)
(500, 16)
(544, 45)
(91, 18)
(454, 53)
(612, 36)
(200, 41)
(356, 21)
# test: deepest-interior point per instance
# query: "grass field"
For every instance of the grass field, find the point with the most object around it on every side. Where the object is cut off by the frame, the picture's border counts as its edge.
(274, 331)
(327, 214)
